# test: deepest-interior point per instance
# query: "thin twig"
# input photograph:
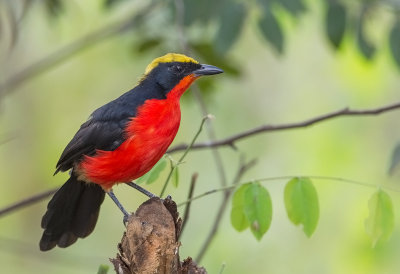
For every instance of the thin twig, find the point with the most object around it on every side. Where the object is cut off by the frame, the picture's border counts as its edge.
(41, 196)
(243, 167)
(222, 268)
(289, 177)
(267, 128)
(185, 46)
(71, 49)
(212, 137)
(179, 6)
(208, 116)
(27, 202)
(229, 141)
(7, 138)
(190, 196)
(204, 194)
(331, 178)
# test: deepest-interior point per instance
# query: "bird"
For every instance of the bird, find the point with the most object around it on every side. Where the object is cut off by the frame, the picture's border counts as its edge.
(121, 141)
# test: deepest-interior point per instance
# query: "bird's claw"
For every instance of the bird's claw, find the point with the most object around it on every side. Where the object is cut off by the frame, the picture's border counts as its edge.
(166, 198)
(126, 219)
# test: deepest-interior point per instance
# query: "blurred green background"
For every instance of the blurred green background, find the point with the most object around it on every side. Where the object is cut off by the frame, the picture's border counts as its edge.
(286, 72)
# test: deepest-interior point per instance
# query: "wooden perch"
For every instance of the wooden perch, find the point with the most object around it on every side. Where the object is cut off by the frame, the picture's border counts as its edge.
(150, 243)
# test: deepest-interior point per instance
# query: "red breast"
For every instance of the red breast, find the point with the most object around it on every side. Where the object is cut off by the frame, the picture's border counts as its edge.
(148, 136)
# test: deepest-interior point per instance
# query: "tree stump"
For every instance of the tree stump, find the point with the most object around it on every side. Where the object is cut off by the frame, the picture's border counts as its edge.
(150, 243)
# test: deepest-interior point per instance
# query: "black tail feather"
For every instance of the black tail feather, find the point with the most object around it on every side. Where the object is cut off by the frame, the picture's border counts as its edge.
(71, 214)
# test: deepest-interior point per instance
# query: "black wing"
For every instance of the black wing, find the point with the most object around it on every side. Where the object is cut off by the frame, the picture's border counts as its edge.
(105, 129)
(92, 135)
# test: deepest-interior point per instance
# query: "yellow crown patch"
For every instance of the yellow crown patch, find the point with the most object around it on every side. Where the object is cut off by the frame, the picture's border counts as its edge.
(167, 58)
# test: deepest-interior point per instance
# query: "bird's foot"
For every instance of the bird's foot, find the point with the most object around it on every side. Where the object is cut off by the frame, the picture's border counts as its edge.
(126, 218)
(141, 189)
(167, 198)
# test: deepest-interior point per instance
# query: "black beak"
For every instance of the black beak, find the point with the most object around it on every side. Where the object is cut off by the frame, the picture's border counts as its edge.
(207, 70)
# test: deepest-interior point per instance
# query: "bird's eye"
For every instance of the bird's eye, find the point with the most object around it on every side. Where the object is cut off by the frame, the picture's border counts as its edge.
(178, 68)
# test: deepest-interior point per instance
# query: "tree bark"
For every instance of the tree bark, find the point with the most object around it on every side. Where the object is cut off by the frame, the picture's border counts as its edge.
(150, 243)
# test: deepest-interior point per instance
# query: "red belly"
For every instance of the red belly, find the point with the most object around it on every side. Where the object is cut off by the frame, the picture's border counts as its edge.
(149, 135)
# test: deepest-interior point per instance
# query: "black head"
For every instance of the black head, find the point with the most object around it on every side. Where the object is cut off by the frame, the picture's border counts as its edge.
(168, 70)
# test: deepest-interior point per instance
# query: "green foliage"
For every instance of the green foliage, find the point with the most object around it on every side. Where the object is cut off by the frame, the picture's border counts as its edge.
(394, 42)
(271, 29)
(335, 22)
(208, 54)
(230, 25)
(301, 201)
(238, 218)
(367, 49)
(252, 207)
(258, 209)
(380, 222)
(229, 17)
(103, 269)
(201, 11)
(151, 176)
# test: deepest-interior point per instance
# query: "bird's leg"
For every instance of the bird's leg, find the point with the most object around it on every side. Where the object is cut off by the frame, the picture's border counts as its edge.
(112, 196)
(141, 189)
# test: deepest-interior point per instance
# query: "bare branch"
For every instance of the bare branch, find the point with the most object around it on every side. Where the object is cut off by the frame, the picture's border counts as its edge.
(7, 138)
(230, 141)
(27, 202)
(243, 168)
(289, 177)
(190, 196)
(212, 137)
(242, 135)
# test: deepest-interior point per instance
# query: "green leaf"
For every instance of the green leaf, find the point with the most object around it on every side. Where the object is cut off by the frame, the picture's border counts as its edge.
(380, 222)
(103, 269)
(394, 42)
(201, 11)
(175, 177)
(301, 202)
(335, 22)
(271, 30)
(154, 173)
(395, 161)
(238, 218)
(257, 209)
(364, 45)
(156, 170)
(230, 24)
